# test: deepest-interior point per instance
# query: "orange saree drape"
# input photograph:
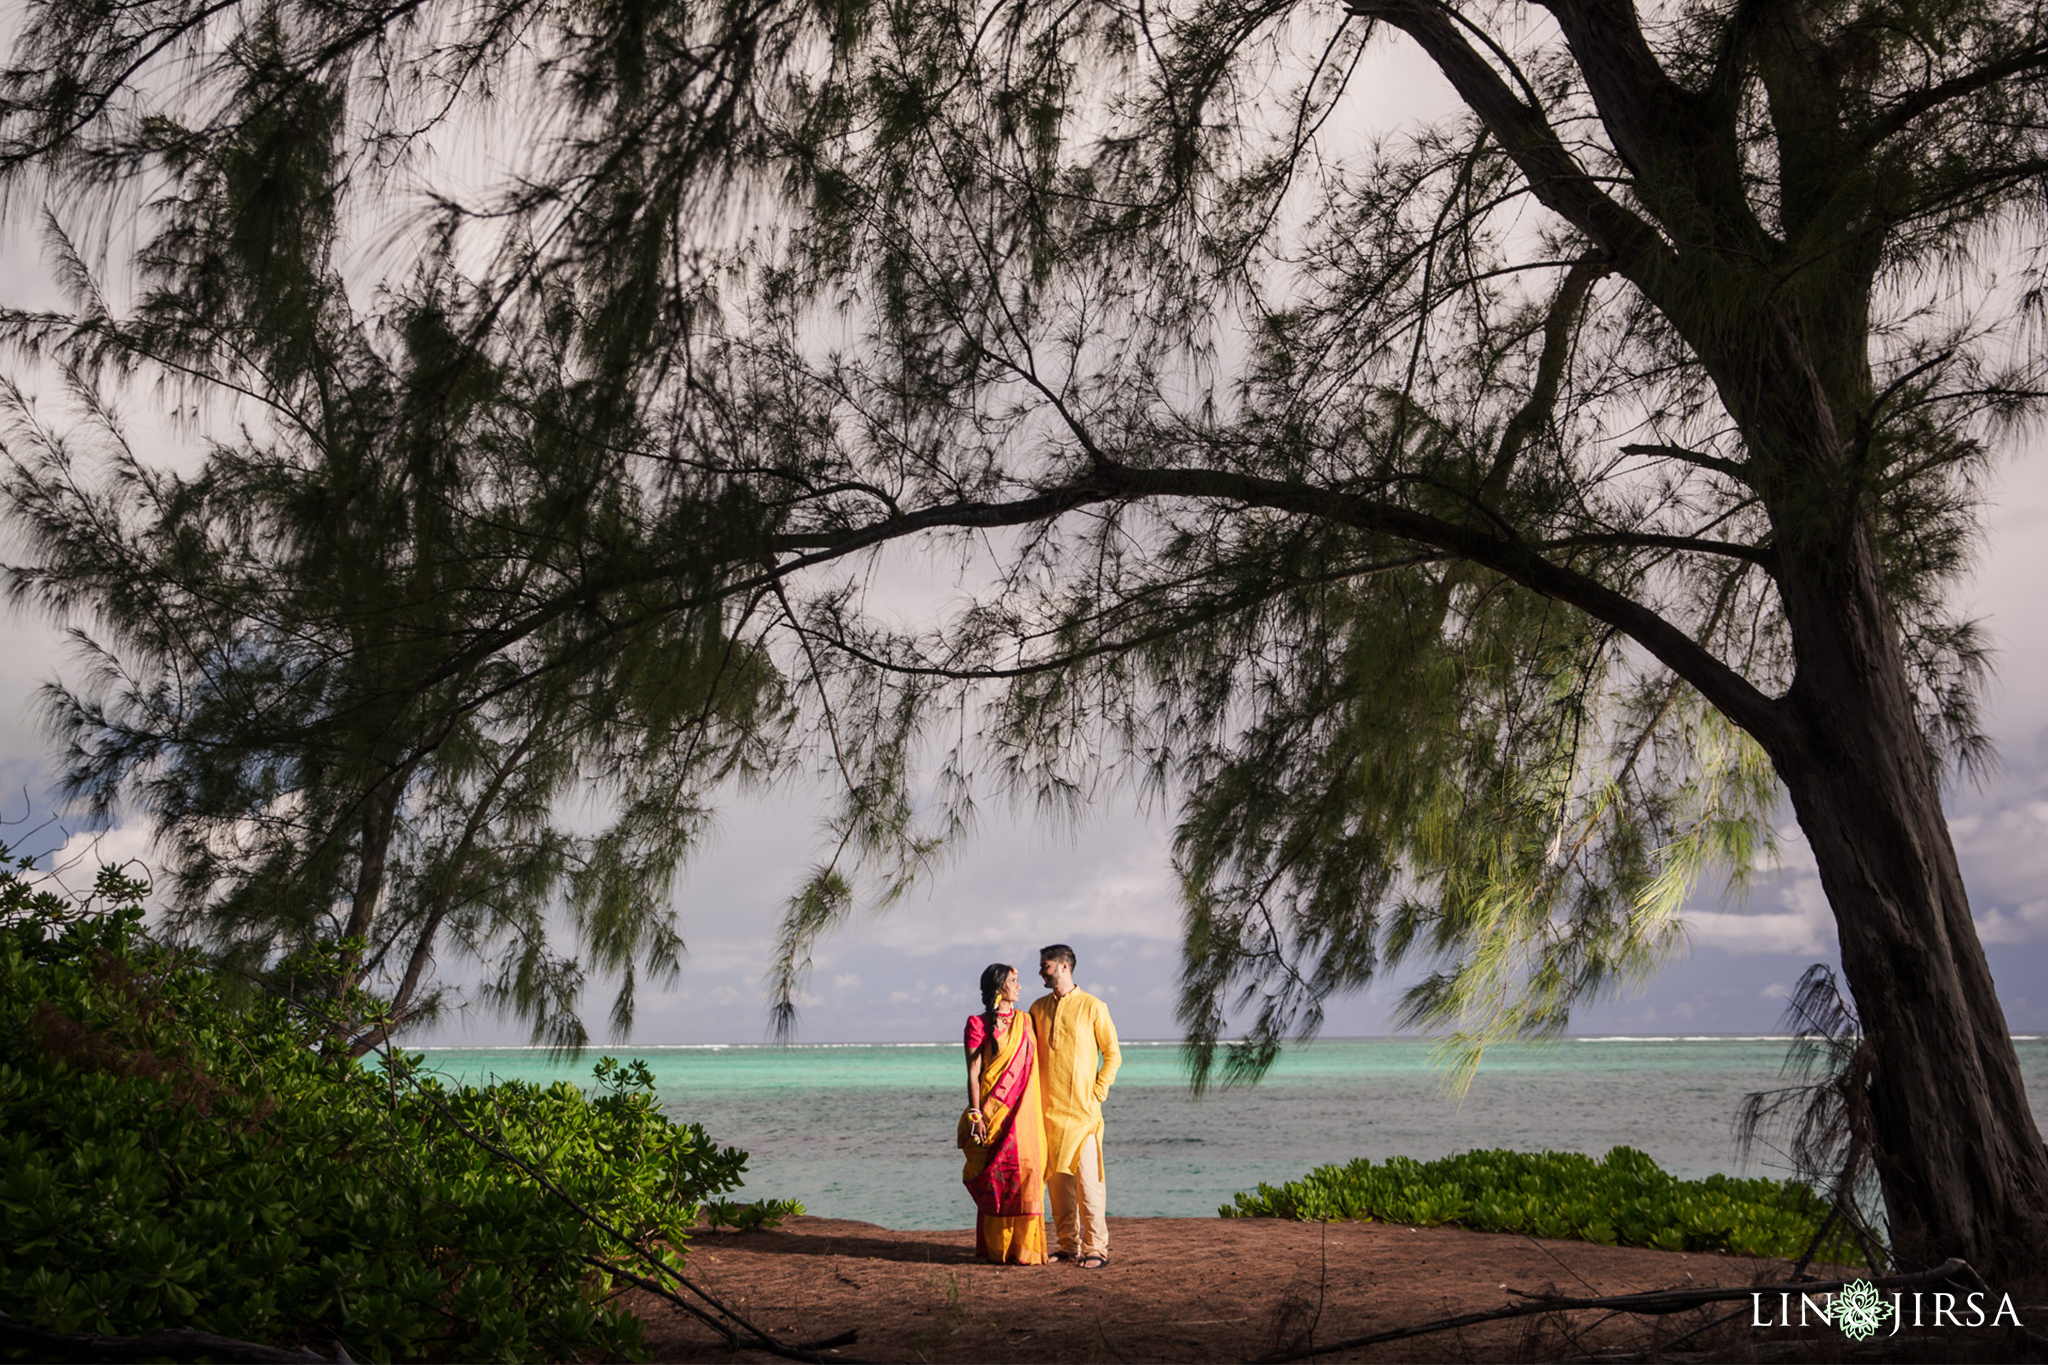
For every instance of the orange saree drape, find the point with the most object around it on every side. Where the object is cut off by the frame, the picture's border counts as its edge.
(1006, 1175)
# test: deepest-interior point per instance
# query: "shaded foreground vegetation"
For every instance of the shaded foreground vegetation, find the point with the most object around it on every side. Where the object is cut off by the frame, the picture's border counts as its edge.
(169, 1160)
(1622, 1199)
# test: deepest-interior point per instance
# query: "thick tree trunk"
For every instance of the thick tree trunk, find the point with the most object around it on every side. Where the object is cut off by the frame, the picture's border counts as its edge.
(1957, 1148)
(1959, 1153)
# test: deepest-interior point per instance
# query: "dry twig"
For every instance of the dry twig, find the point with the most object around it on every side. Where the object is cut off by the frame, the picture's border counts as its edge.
(1652, 1303)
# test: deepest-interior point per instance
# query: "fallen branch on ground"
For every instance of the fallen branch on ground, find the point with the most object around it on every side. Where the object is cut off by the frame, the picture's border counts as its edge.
(1655, 1302)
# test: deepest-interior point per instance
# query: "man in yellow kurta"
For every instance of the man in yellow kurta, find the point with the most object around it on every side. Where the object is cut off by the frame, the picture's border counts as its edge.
(1078, 1057)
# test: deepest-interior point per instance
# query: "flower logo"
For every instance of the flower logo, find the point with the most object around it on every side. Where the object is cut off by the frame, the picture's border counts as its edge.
(1860, 1310)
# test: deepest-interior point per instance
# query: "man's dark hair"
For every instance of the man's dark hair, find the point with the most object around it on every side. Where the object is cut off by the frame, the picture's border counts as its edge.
(1058, 952)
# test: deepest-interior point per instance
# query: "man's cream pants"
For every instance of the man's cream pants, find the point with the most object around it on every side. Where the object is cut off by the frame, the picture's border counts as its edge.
(1077, 1205)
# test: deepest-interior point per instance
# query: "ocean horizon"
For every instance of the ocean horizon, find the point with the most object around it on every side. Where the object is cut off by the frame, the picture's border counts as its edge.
(865, 1130)
(614, 1049)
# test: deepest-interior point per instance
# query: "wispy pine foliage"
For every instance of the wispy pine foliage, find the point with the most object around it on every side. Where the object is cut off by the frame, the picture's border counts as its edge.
(366, 666)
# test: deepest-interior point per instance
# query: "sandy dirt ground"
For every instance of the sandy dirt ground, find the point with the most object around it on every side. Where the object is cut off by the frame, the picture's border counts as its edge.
(1193, 1289)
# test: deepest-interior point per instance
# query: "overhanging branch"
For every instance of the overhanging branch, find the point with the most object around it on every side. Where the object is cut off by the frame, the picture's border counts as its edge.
(1138, 640)
(1518, 561)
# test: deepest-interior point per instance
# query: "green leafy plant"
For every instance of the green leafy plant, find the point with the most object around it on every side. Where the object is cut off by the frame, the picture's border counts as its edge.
(762, 1213)
(1621, 1199)
(168, 1161)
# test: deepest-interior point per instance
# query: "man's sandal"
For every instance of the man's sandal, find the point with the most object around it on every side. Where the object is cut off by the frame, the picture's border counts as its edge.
(1061, 1256)
(1093, 1262)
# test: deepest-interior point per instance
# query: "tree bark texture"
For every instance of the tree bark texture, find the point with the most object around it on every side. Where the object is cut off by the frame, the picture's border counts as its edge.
(380, 823)
(1958, 1150)
(446, 886)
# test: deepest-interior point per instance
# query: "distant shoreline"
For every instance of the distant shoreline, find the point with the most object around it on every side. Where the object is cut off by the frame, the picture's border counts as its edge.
(1135, 1042)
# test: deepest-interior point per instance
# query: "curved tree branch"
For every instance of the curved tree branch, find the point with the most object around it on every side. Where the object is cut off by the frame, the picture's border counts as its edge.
(1516, 560)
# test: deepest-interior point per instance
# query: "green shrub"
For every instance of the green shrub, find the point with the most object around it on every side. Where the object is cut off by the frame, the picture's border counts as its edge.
(168, 1161)
(1623, 1199)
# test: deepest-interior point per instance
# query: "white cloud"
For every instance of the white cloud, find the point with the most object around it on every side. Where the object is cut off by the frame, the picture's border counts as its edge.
(1013, 887)
(1803, 925)
(2023, 924)
(75, 865)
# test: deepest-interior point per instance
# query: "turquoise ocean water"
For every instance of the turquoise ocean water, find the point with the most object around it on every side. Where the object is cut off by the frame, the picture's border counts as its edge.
(866, 1131)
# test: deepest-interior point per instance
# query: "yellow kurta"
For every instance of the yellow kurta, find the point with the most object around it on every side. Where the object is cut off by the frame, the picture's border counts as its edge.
(1078, 1056)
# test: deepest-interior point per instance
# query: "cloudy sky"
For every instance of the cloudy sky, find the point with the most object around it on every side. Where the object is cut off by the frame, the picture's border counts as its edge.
(1106, 888)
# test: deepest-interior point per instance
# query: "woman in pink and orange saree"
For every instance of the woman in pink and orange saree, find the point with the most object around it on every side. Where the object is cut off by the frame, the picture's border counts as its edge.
(1003, 1130)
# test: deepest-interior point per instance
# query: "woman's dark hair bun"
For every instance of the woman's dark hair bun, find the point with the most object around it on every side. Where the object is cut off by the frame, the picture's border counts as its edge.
(992, 978)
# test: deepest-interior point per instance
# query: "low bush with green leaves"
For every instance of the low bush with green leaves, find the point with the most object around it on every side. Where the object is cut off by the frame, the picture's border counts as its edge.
(1622, 1199)
(170, 1161)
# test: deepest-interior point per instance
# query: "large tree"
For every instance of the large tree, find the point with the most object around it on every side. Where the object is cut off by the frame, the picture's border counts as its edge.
(1471, 523)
